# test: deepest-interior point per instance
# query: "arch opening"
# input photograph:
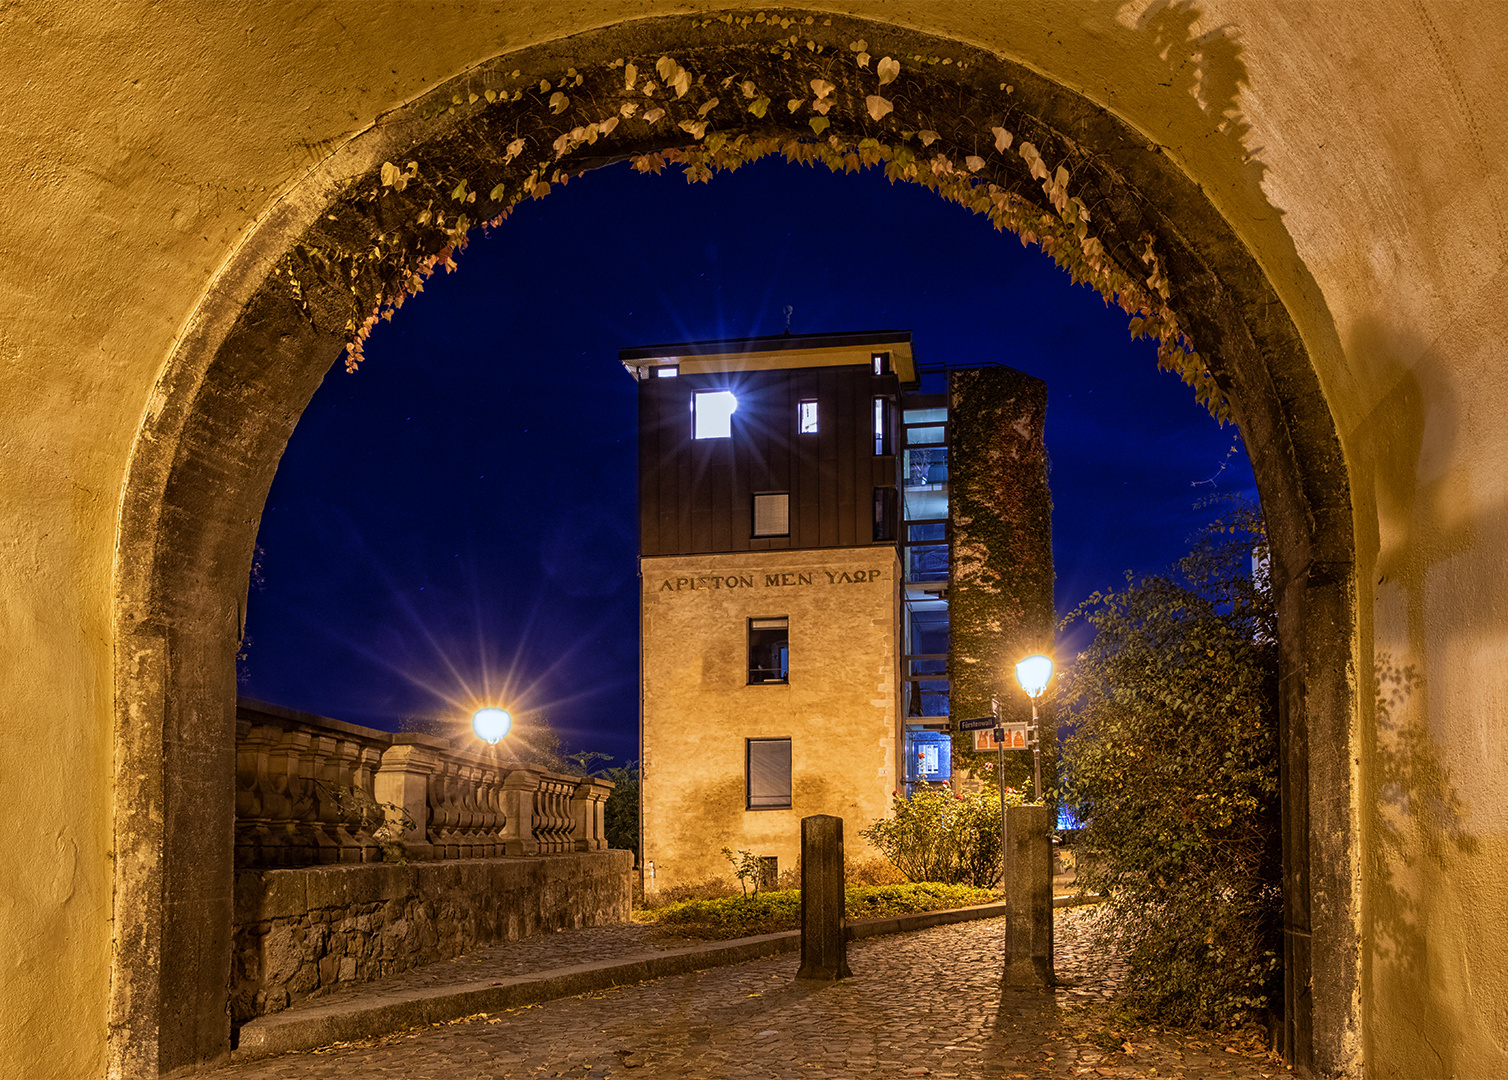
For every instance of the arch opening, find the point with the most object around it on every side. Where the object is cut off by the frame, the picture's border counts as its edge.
(354, 237)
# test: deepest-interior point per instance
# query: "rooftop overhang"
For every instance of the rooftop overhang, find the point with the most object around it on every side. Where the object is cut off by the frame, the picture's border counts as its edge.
(786, 351)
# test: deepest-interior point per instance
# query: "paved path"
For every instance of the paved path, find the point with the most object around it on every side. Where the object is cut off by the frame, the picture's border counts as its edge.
(927, 1003)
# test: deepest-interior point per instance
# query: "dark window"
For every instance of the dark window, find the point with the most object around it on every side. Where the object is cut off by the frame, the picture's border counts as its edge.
(769, 774)
(772, 514)
(806, 417)
(885, 504)
(880, 362)
(769, 650)
(769, 871)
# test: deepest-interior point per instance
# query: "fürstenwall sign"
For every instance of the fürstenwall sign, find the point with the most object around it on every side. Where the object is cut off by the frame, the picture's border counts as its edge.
(708, 582)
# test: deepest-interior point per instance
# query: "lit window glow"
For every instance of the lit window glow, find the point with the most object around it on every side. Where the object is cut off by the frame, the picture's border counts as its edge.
(808, 417)
(712, 414)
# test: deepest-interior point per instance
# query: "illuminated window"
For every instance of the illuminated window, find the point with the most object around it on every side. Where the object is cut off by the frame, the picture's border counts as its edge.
(772, 514)
(712, 414)
(769, 650)
(881, 426)
(667, 371)
(768, 772)
(807, 415)
(880, 362)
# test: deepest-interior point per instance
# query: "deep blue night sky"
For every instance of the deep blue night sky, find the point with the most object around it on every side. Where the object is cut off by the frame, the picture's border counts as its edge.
(457, 519)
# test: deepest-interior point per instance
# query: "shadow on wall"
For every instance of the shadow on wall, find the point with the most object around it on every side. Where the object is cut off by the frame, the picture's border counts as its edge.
(1420, 838)
(1207, 72)
(1203, 76)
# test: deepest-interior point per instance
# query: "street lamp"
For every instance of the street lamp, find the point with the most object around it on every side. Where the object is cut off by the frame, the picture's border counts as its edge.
(491, 724)
(1033, 673)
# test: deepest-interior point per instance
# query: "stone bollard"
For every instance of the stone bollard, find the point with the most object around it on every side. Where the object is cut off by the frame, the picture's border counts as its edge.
(1028, 898)
(824, 945)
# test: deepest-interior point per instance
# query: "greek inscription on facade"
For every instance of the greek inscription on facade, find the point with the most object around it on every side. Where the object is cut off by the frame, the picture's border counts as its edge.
(784, 579)
(857, 577)
(708, 581)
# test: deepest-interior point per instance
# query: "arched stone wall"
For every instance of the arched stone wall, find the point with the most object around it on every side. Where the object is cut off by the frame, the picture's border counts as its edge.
(278, 316)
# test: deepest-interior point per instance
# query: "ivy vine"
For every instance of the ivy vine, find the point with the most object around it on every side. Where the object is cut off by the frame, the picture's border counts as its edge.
(730, 101)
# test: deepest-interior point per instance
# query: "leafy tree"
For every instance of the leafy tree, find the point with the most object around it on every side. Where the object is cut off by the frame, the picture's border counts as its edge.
(621, 811)
(1172, 767)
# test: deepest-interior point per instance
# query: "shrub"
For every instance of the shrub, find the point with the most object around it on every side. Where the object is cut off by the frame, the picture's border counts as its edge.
(772, 911)
(708, 889)
(1172, 768)
(869, 872)
(874, 901)
(937, 835)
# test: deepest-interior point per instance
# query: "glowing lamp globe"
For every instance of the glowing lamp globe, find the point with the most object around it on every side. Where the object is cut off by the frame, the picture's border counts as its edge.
(1033, 673)
(491, 724)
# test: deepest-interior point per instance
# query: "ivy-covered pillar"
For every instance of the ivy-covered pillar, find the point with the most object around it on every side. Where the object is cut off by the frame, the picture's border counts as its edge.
(1000, 606)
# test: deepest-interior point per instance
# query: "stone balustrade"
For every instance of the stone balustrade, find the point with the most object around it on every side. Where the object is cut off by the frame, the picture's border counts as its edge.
(312, 791)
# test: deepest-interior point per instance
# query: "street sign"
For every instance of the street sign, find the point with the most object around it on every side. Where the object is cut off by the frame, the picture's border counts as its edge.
(1005, 737)
(979, 723)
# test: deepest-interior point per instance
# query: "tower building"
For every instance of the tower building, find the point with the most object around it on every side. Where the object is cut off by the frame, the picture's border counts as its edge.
(801, 561)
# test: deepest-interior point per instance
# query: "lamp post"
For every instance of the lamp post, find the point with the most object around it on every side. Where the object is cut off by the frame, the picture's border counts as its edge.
(1033, 673)
(491, 724)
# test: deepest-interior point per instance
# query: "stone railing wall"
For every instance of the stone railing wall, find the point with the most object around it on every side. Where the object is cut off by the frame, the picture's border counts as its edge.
(310, 791)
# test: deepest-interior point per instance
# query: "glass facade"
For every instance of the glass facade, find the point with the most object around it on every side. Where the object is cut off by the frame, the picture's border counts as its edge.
(925, 547)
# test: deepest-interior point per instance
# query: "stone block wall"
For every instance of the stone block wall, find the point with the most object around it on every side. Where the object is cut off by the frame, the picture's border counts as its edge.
(300, 932)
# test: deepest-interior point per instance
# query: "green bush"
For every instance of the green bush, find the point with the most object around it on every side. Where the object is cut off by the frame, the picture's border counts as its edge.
(875, 901)
(937, 835)
(1172, 767)
(772, 911)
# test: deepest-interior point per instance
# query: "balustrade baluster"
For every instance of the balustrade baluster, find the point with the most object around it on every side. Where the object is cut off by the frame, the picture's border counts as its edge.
(471, 843)
(324, 813)
(254, 796)
(293, 800)
(482, 829)
(349, 807)
(452, 790)
(367, 760)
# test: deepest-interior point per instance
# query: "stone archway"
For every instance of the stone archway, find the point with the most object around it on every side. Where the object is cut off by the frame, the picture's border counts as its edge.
(352, 237)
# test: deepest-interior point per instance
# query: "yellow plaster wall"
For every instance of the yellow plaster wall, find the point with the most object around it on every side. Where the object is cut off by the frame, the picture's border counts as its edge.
(1355, 147)
(839, 708)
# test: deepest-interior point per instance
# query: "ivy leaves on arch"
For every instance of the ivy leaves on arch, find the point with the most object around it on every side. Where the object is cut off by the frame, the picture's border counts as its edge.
(814, 91)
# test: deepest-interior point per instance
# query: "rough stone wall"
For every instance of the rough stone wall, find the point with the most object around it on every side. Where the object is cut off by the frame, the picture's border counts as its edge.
(301, 932)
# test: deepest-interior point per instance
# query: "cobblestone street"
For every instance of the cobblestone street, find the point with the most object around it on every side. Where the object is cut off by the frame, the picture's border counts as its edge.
(927, 1003)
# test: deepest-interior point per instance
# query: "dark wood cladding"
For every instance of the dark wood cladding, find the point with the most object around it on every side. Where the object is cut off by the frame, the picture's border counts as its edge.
(696, 495)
